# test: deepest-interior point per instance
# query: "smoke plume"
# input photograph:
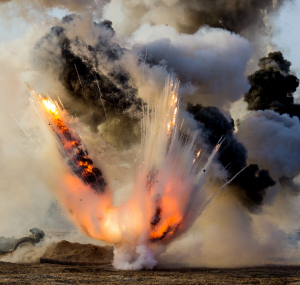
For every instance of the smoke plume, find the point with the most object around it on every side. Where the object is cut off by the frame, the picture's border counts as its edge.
(104, 81)
(210, 64)
(188, 16)
(272, 141)
(276, 119)
(233, 154)
(272, 86)
(99, 87)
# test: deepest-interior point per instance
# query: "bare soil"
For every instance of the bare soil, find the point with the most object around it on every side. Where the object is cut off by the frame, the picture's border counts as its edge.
(37, 273)
(67, 251)
(62, 274)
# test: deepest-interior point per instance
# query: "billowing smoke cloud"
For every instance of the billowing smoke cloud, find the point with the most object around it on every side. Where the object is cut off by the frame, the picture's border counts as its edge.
(272, 86)
(105, 81)
(99, 87)
(233, 154)
(188, 16)
(271, 132)
(210, 63)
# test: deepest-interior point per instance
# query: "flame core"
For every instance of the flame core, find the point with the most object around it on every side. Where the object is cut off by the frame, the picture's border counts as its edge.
(168, 188)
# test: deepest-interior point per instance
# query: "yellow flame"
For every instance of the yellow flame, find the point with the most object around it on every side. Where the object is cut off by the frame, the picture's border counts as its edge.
(198, 154)
(169, 128)
(174, 117)
(173, 102)
(50, 106)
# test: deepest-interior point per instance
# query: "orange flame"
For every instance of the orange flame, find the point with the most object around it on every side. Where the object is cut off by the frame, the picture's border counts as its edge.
(169, 217)
(84, 168)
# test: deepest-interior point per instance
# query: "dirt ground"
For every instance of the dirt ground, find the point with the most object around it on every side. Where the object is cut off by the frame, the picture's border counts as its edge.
(105, 274)
(90, 264)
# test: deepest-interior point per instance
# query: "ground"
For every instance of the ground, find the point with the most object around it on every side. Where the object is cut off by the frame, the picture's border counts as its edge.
(91, 264)
(105, 274)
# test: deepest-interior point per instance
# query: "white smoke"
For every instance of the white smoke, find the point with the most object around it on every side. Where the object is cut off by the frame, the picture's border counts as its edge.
(134, 257)
(210, 63)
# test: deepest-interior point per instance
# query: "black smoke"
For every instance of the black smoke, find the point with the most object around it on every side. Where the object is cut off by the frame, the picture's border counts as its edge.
(98, 92)
(252, 182)
(273, 86)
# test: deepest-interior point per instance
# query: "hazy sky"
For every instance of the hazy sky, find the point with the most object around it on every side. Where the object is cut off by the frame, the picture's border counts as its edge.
(286, 34)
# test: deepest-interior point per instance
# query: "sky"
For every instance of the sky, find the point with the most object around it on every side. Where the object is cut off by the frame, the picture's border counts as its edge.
(286, 37)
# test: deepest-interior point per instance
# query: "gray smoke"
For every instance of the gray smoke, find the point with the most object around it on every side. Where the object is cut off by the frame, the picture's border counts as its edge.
(104, 82)
(252, 183)
(210, 63)
(271, 133)
(272, 141)
(99, 88)
(188, 16)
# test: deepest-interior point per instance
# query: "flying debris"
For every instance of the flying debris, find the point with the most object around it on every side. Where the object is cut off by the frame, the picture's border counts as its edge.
(74, 149)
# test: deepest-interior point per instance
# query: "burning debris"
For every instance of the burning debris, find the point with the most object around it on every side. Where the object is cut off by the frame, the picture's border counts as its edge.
(78, 159)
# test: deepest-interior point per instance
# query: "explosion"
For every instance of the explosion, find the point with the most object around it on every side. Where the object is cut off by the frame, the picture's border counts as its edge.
(135, 166)
(168, 184)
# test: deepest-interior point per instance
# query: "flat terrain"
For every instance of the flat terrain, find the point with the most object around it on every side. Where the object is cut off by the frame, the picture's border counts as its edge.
(90, 264)
(62, 274)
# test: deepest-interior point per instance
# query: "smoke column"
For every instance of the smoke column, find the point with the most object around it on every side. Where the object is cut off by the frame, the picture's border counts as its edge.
(276, 118)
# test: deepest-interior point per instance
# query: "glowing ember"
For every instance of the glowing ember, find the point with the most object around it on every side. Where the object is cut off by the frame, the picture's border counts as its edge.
(198, 154)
